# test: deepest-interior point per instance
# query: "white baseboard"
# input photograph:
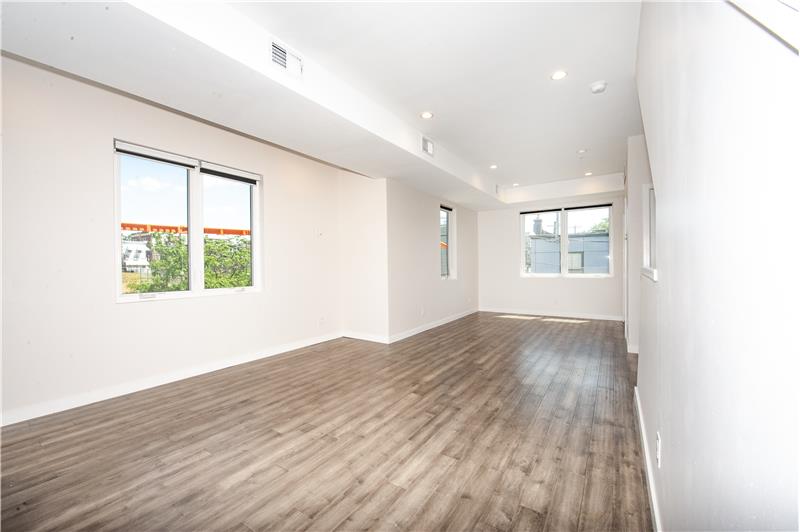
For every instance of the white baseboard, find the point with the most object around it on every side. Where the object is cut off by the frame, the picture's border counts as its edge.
(556, 314)
(366, 336)
(430, 325)
(44, 408)
(633, 348)
(651, 488)
(57, 405)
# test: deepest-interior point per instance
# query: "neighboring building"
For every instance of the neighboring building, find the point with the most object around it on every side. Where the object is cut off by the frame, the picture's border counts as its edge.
(588, 253)
(136, 257)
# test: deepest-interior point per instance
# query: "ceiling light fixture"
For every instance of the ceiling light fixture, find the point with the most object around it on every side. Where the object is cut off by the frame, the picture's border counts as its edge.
(558, 74)
(598, 87)
(587, 174)
(493, 167)
(582, 151)
(515, 185)
(426, 115)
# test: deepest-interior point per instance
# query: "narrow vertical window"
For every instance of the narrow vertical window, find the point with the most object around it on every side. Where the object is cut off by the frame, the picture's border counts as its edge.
(227, 238)
(541, 241)
(445, 214)
(154, 216)
(651, 242)
(588, 240)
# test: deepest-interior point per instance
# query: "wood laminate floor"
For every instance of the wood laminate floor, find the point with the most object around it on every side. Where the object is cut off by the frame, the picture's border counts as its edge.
(490, 422)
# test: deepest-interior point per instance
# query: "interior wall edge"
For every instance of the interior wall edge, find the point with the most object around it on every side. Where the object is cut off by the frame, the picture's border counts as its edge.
(430, 325)
(367, 337)
(648, 463)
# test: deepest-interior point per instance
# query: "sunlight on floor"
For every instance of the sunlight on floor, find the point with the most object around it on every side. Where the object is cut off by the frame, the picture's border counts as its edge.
(565, 320)
(556, 320)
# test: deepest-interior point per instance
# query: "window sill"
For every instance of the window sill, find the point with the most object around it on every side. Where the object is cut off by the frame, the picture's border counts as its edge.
(567, 275)
(165, 296)
(650, 273)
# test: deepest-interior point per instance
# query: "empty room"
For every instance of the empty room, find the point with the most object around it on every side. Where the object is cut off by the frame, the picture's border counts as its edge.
(399, 266)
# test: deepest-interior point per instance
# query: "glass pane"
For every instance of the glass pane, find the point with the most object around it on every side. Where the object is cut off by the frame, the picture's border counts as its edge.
(155, 238)
(444, 242)
(652, 237)
(542, 241)
(588, 232)
(227, 218)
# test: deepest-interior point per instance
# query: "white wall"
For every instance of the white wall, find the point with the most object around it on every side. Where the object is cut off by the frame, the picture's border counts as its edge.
(503, 289)
(327, 264)
(418, 297)
(718, 350)
(638, 175)
(363, 258)
(67, 341)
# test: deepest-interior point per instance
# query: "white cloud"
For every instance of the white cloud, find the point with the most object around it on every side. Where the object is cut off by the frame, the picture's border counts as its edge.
(146, 183)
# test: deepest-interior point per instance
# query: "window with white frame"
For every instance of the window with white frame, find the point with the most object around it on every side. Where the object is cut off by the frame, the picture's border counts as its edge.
(569, 241)
(445, 242)
(227, 230)
(185, 226)
(588, 239)
(541, 235)
(649, 263)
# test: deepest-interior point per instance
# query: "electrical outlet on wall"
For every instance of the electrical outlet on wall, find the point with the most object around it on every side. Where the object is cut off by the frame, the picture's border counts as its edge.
(658, 450)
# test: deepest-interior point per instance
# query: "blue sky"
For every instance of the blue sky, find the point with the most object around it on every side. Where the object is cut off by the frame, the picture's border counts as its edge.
(157, 193)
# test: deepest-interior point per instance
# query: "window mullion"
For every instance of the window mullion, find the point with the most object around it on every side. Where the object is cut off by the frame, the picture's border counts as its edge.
(196, 242)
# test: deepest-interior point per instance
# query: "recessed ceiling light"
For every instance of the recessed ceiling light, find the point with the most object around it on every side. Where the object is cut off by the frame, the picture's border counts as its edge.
(582, 151)
(493, 167)
(515, 185)
(427, 115)
(587, 174)
(598, 87)
(558, 74)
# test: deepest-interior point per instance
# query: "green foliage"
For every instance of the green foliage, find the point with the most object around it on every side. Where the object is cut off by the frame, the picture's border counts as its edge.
(228, 262)
(600, 227)
(169, 266)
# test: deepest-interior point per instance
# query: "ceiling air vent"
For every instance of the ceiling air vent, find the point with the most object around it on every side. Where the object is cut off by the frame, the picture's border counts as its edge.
(286, 59)
(279, 55)
(427, 146)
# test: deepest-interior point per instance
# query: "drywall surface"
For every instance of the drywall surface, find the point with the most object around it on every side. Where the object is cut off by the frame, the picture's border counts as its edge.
(638, 175)
(418, 297)
(718, 347)
(363, 258)
(503, 288)
(67, 341)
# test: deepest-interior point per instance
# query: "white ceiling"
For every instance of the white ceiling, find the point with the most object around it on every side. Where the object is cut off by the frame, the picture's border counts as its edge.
(483, 69)
(369, 69)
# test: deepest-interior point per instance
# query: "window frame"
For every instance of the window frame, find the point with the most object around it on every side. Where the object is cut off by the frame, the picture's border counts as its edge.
(564, 245)
(542, 275)
(451, 243)
(649, 214)
(195, 224)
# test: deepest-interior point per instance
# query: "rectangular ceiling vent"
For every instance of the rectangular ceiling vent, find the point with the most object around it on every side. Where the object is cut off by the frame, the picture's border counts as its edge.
(286, 59)
(278, 55)
(427, 146)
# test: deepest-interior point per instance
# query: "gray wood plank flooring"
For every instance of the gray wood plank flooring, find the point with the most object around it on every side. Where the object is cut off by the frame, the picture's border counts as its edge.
(491, 422)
